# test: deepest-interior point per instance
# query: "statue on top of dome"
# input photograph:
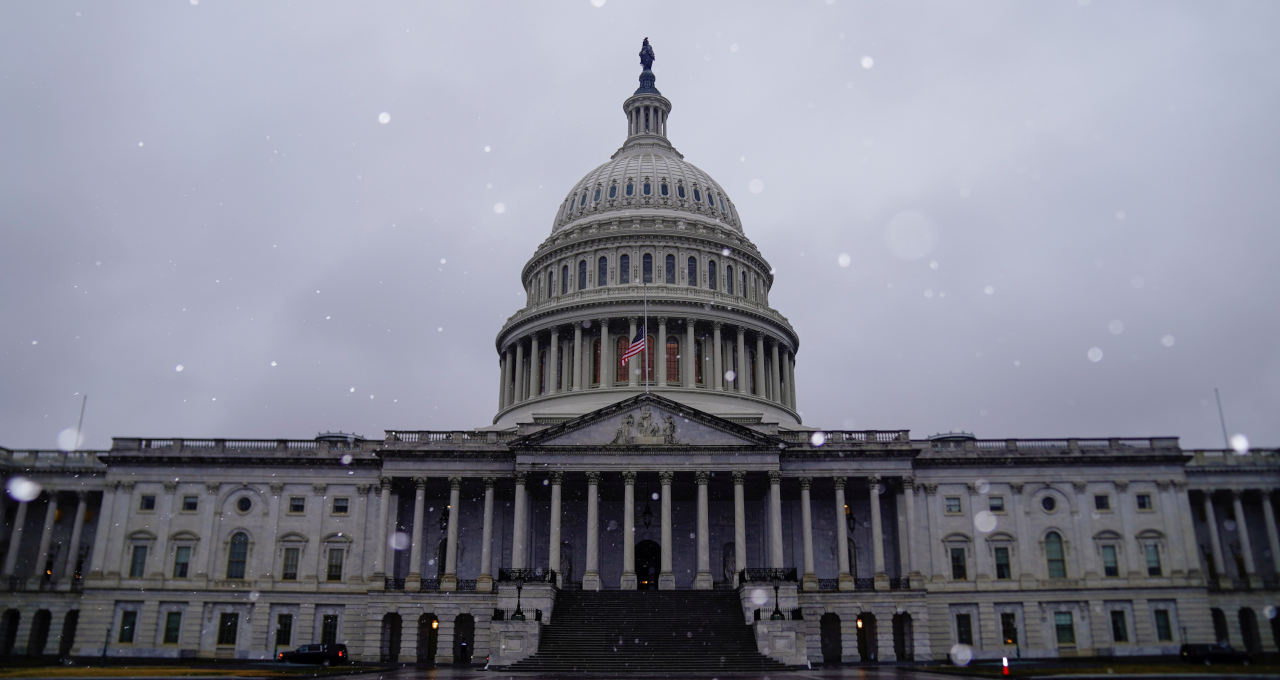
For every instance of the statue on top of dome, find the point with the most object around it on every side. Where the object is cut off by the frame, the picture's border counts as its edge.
(646, 55)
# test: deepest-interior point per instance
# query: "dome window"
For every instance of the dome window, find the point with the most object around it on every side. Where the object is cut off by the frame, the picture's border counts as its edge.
(697, 195)
(582, 273)
(602, 271)
(624, 269)
(647, 268)
(631, 189)
(564, 279)
(711, 275)
(728, 278)
(595, 198)
(662, 189)
(670, 271)
(693, 269)
(680, 190)
(648, 188)
(613, 191)
(583, 201)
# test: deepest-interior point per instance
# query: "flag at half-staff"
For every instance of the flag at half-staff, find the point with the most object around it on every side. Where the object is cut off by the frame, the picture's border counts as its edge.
(637, 346)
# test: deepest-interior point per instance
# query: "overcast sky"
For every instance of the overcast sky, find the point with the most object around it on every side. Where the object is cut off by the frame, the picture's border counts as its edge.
(268, 219)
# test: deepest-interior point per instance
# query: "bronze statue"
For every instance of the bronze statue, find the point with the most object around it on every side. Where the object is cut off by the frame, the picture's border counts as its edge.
(646, 55)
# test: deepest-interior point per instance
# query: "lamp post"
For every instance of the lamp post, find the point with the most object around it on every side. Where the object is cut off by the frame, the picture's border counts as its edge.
(519, 613)
(777, 612)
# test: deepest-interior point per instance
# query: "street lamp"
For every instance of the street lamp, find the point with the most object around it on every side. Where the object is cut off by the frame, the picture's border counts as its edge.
(777, 612)
(519, 613)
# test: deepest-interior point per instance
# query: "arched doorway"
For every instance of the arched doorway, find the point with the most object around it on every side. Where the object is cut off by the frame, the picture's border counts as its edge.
(903, 645)
(1219, 625)
(428, 637)
(464, 639)
(1249, 631)
(867, 643)
(39, 636)
(69, 623)
(8, 630)
(392, 626)
(832, 650)
(648, 562)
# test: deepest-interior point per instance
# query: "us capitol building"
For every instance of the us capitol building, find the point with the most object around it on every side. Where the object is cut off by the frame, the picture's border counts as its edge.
(685, 468)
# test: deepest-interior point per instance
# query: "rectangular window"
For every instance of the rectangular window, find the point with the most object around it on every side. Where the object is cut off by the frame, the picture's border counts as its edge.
(964, 629)
(1153, 559)
(952, 505)
(341, 505)
(1164, 626)
(1003, 571)
(1009, 627)
(181, 561)
(329, 629)
(1119, 631)
(172, 627)
(1102, 502)
(334, 571)
(284, 630)
(958, 571)
(995, 503)
(148, 502)
(228, 626)
(138, 561)
(1110, 565)
(297, 504)
(1144, 501)
(1062, 626)
(128, 623)
(190, 503)
(290, 571)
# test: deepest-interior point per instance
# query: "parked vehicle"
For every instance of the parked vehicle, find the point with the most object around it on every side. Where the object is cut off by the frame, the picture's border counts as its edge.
(323, 654)
(1220, 652)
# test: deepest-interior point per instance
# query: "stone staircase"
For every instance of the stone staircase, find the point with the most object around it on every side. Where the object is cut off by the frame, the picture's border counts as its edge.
(647, 631)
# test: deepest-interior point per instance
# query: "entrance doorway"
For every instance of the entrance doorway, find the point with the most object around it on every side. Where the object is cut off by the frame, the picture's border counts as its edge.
(867, 643)
(428, 632)
(39, 636)
(464, 633)
(648, 562)
(831, 647)
(903, 634)
(390, 648)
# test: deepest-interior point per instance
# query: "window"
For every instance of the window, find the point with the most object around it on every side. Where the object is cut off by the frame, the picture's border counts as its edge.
(181, 561)
(602, 272)
(1110, 565)
(1153, 559)
(693, 271)
(148, 502)
(964, 629)
(237, 555)
(138, 561)
(289, 572)
(244, 504)
(228, 626)
(172, 627)
(341, 505)
(564, 279)
(711, 275)
(190, 503)
(648, 188)
(630, 188)
(1102, 502)
(952, 505)
(743, 288)
(663, 189)
(582, 200)
(1062, 626)
(1049, 503)
(595, 197)
(673, 361)
(670, 271)
(297, 504)
(624, 269)
(582, 274)
(1164, 627)
(549, 284)
(646, 267)
(284, 627)
(613, 191)
(329, 629)
(334, 571)
(1009, 627)
(1055, 556)
(995, 503)
(958, 571)
(1003, 570)
(697, 195)
(1119, 631)
(1144, 501)
(128, 624)
(680, 190)
(728, 279)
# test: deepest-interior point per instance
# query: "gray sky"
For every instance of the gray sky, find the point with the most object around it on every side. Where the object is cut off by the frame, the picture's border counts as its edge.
(1008, 185)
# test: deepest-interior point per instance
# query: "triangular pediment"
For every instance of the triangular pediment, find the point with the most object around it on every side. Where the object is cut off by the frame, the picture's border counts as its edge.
(650, 421)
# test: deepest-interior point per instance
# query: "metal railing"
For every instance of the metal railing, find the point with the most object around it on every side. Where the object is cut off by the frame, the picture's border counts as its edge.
(759, 575)
(528, 575)
(394, 583)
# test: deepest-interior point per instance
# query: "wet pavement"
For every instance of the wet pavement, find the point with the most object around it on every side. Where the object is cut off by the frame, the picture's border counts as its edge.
(802, 674)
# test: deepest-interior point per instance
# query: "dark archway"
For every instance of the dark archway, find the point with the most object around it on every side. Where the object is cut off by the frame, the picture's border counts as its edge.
(903, 634)
(1219, 625)
(392, 630)
(867, 643)
(9, 630)
(69, 624)
(464, 639)
(1249, 631)
(832, 649)
(39, 636)
(428, 637)
(648, 562)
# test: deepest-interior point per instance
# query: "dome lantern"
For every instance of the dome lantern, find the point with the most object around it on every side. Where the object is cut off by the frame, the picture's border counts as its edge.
(646, 109)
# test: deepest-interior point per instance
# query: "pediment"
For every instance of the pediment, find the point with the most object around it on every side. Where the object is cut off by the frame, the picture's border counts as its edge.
(648, 421)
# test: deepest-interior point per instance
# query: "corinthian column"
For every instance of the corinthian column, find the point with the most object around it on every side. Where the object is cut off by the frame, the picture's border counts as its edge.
(535, 367)
(688, 353)
(450, 580)
(484, 583)
(660, 353)
(553, 550)
(775, 519)
(702, 578)
(739, 525)
(77, 528)
(414, 581)
(628, 581)
(740, 369)
(809, 579)
(717, 363)
(518, 524)
(591, 577)
(758, 377)
(380, 548)
(553, 359)
(877, 532)
(842, 538)
(666, 579)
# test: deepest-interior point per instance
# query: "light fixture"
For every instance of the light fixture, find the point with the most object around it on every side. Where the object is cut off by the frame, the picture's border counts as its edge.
(435, 623)
(859, 623)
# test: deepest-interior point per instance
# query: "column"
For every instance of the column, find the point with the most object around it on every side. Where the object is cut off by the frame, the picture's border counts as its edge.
(518, 524)
(791, 380)
(577, 359)
(77, 528)
(908, 559)
(877, 532)
(484, 583)
(502, 381)
(717, 363)
(382, 553)
(702, 578)
(591, 576)
(809, 579)
(689, 353)
(842, 537)
(99, 554)
(521, 395)
(535, 367)
(553, 550)
(15, 538)
(509, 372)
(740, 368)
(660, 353)
(1273, 541)
(450, 579)
(775, 519)
(628, 581)
(413, 581)
(666, 579)
(1216, 545)
(1246, 544)
(775, 372)
(46, 533)
(633, 364)
(1177, 551)
(607, 368)
(758, 376)
(553, 359)
(739, 525)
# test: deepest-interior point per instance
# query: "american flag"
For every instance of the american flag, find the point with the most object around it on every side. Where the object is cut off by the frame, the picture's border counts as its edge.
(637, 346)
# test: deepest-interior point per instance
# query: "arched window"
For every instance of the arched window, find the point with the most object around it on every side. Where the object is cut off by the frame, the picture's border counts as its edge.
(670, 271)
(237, 555)
(631, 189)
(613, 191)
(583, 201)
(648, 188)
(693, 271)
(624, 269)
(602, 271)
(680, 190)
(549, 289)
(728, 278)
(595, 198)
(673, 361)
(697, 195)
(620, 345)
(582, 274)
(1054, 556)
(647, 267)
(711, 274)
(662, 189)
(743, 287)
(564, 279)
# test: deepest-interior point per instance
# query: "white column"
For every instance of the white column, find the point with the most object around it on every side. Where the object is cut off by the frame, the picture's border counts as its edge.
(415, 544)
(98, 556)
(717, 362)
(484, 583)
(607, 369)
(77, 528)
(842, 538)
(502, 380)
(660, 353)
(877, 531)
(791, 380)
(666, 579)
(740, 368)
(809, 579)
(702, 578)
(628, 581)
(909, 491)
(591, 577)
(739, 525)
(15, 538)
(450, 580)
(46, 533)
(577, 360)
(1216, 545)
(775, 372)
(1242, 529)
(553, 360)
(509, 373)
(688, 353)
(553, 550)
(1273, 541)
(518, 524)
(633, 365)
(521, 394)
(382, 553)
(775, 519)
(758, 378)
(535, 367)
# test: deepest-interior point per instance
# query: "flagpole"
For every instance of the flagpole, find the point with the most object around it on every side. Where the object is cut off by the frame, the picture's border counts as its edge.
(644, 288)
